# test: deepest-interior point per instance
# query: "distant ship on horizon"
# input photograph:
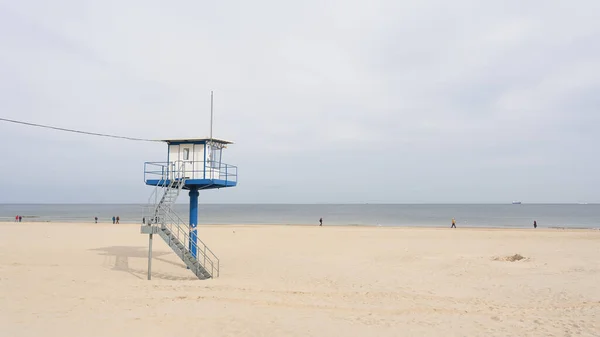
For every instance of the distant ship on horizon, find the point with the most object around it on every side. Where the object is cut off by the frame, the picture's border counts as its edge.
(516, 202)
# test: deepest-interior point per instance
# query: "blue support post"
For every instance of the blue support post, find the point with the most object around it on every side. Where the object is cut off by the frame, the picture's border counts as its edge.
(193, 220)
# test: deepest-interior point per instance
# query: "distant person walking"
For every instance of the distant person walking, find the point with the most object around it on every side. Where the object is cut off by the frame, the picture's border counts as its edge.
(20, 218)
(114, 219)
(453, 223)
(534, 224)
(321, 222)
(17, 218)
(95, 219)
(118, 219)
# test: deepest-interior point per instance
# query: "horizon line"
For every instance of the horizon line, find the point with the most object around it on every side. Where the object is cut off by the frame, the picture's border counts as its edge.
(315, 203)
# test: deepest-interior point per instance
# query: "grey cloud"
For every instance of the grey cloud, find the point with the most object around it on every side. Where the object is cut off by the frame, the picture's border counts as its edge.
(340, 101)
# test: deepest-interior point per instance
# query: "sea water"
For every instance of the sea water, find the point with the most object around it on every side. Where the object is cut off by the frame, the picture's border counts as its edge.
(474, 215)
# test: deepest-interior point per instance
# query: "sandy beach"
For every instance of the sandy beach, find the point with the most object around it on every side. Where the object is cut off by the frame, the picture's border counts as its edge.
(67, 279)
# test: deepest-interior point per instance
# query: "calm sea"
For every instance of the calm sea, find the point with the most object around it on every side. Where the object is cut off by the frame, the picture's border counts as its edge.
(571, 215)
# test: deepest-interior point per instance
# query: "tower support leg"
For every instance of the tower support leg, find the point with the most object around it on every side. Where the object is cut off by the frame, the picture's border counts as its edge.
(193, 220)
(150, 256)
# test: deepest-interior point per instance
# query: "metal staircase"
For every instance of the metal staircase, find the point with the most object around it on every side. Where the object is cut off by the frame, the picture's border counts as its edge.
(175, 231)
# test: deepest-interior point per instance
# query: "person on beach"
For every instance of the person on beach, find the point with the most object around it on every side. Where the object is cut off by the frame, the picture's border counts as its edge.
(17, 218)
(95, 219)
(20, 218)
(114, 220)
(534, 224)
(453, 223)
(321, 222)
(117, 219)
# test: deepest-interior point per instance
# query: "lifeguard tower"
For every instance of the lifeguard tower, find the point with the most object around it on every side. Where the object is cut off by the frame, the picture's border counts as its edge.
(193, 165)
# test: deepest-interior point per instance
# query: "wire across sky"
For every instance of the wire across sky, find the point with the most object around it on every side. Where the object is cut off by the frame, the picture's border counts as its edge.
(77, 131)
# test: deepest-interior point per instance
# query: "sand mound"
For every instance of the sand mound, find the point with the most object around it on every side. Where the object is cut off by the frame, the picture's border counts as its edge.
(510, 258)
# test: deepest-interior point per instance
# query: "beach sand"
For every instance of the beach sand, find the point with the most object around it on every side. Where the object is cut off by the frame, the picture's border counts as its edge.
(59, 279)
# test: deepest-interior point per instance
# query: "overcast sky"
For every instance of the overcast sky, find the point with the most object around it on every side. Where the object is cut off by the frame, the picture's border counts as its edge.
(327, 101)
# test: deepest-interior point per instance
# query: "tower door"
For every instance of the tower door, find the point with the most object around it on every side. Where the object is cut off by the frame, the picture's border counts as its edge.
(187, 161)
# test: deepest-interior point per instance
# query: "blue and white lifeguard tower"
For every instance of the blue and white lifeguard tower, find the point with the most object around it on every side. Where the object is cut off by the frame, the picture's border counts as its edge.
(193, 165)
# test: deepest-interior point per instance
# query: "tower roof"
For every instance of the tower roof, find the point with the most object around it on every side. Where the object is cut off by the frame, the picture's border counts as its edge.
(196, 141)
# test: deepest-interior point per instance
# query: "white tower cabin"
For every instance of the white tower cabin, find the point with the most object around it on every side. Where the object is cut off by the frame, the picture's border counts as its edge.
(198, 161)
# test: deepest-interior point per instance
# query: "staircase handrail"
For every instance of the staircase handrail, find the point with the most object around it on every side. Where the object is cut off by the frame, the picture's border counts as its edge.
(176, 179)
(182, 235)
(151, 204)
(177, 219)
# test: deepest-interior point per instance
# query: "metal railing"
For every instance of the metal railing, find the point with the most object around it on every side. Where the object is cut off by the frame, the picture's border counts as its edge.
(160, 212)
(180, 230)
(190, 170)
(149, 211)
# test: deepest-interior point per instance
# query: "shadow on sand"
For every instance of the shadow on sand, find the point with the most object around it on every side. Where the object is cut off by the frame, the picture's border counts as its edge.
(117, 258)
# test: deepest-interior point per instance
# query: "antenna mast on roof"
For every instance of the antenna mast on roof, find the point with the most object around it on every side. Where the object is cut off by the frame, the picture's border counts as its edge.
(211, 115)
